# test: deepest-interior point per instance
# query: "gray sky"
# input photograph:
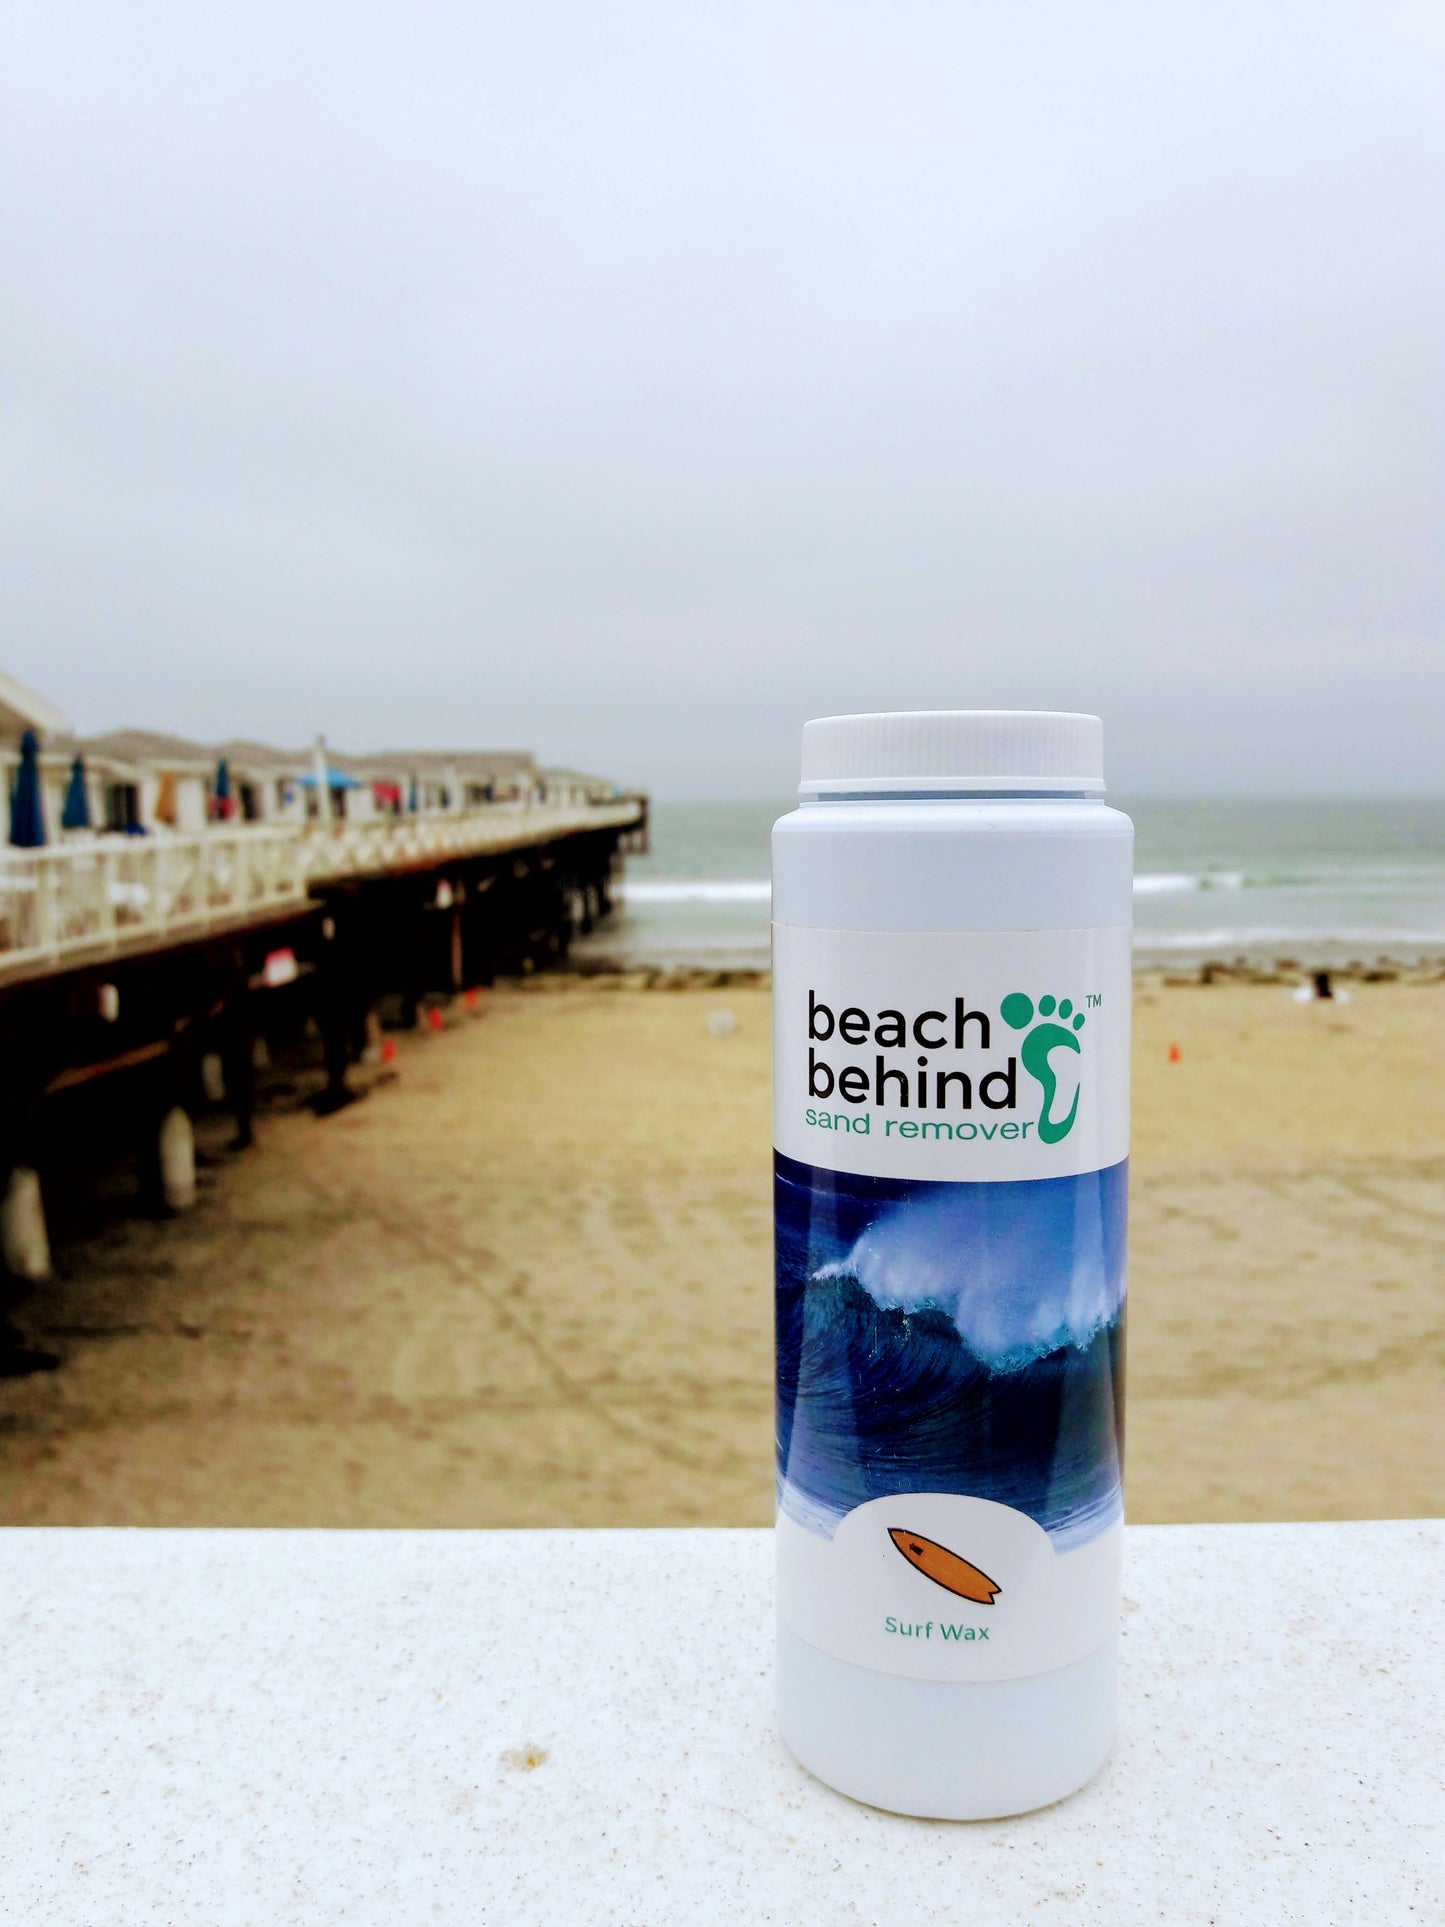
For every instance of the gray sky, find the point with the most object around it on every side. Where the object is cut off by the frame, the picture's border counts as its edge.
(633, 381)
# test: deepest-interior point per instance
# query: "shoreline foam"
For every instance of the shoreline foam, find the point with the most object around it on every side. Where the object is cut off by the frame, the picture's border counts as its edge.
(604, 973)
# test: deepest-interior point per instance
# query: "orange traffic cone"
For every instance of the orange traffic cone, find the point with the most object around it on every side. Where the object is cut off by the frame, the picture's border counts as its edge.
(1175, 1054)
(434, 1019)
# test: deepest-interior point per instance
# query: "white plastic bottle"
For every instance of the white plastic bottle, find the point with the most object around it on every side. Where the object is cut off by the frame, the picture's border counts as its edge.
(952, 912)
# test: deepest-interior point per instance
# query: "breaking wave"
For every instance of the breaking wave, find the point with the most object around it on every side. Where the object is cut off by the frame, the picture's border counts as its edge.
(1152, 883)
(951, 1338)
(759, 890)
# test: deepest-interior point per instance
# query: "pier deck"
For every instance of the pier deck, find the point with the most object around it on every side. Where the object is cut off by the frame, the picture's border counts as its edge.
(98, 897)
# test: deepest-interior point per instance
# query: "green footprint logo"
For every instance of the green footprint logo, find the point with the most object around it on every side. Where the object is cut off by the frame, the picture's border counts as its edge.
(1018, 1011)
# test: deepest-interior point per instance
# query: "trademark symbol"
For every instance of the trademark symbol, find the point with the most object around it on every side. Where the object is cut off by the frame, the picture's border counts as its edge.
(1095, 1001)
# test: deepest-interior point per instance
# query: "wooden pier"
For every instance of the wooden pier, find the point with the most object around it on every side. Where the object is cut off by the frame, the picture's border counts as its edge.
(161, 962)
(101, 897)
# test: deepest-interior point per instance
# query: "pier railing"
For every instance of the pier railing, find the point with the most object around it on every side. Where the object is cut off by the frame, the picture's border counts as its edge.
(98, 896)
(343, 849)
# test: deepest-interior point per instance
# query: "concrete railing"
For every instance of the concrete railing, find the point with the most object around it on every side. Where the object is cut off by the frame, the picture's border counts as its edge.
(103, 895)
(579, 1726)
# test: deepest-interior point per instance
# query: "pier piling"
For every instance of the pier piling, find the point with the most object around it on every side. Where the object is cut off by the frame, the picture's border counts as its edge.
(24, 1238)
(176, 1160)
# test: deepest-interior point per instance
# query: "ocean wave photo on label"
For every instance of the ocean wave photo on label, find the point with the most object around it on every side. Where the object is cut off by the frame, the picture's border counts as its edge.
(963, 1338)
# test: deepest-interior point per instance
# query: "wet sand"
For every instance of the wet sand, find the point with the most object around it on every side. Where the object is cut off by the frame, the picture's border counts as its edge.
(526, 1283)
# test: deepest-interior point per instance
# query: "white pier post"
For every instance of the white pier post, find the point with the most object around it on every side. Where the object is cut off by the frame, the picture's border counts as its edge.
(176, 1157)
(24, 1240)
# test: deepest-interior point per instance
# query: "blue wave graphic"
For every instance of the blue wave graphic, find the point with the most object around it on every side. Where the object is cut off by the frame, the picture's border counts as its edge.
(941, 1337)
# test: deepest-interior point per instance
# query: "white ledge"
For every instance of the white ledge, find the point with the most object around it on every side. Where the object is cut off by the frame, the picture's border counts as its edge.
(577, 1726)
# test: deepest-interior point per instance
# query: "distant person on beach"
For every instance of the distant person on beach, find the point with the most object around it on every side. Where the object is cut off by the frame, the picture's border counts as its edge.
(1319, 989)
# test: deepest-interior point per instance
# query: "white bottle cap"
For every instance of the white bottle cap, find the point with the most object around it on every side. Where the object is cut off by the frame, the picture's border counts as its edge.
(913, 751)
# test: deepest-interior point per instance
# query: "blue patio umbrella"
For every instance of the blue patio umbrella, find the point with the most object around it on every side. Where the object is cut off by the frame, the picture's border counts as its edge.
(27, 818)
(413, 800)
(75, 815)
(222, 788)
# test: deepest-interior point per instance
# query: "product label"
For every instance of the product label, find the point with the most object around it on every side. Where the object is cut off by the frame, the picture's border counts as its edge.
(951, 1124)
(995, 1054)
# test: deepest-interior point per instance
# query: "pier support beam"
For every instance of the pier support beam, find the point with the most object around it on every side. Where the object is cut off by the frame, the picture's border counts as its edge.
(478, 945)
(168, 1138)
(411, 911)
(238, 1041)
(340, 1007)
(456, 957)
(238, 1067)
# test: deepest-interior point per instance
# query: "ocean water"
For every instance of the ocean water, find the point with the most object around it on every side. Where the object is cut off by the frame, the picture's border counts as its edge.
(1318, 882)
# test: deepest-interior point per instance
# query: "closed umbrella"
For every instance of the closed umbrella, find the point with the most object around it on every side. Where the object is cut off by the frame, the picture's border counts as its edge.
(75, 814)
(225, 803)
(27, 818)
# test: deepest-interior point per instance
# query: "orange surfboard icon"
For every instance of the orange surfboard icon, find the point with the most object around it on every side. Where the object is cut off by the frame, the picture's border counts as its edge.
(945, 1568)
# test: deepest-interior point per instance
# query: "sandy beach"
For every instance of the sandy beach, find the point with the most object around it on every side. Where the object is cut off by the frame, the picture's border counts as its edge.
(526, 1281)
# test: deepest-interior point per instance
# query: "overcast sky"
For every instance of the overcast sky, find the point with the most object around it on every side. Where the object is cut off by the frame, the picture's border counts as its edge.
(632, 381)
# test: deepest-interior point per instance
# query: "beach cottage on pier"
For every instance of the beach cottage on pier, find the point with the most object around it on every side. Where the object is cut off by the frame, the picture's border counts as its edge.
(573, 789)
(447, 780)
(156, 781)
(148, 783)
